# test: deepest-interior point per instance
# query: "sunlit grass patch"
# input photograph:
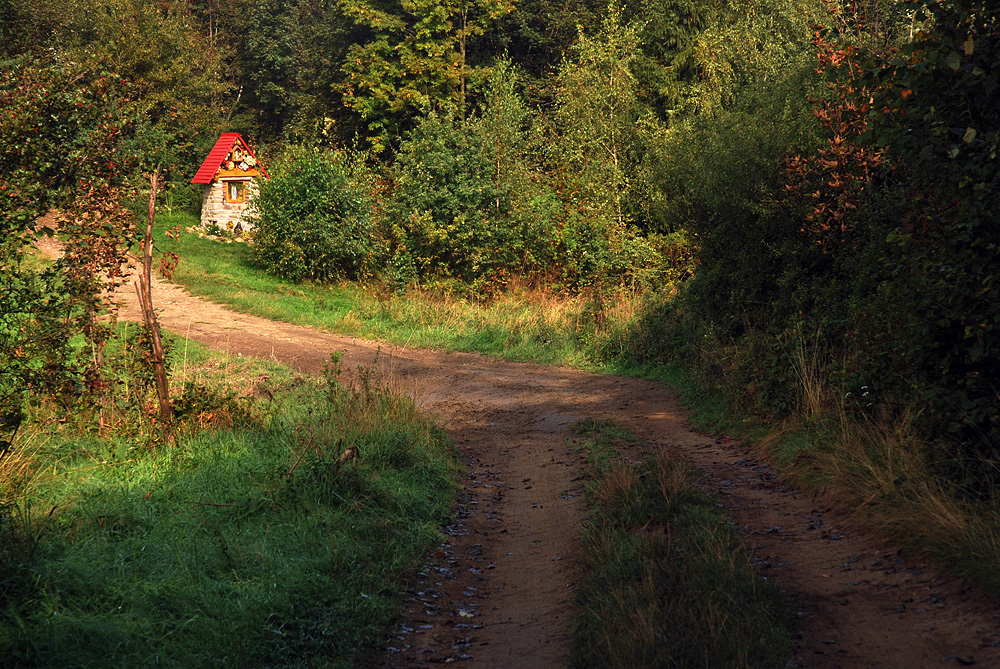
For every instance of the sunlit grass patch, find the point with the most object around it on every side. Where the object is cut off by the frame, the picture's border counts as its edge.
(523, 322)
(669, 582)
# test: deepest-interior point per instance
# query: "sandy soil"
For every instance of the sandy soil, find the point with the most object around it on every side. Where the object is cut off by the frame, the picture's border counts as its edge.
(498, 591)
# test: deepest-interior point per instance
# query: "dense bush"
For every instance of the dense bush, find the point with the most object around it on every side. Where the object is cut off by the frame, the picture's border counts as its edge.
(939, 98)
(63, 136)
(486, 197)
(448, 212)
(313, 219)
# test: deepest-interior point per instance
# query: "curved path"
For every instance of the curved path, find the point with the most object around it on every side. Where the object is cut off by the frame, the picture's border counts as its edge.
(499, 590)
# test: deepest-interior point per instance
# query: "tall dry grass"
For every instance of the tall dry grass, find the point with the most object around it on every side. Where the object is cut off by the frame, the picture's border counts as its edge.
(669, 582)
(19, 532)
(878, 468)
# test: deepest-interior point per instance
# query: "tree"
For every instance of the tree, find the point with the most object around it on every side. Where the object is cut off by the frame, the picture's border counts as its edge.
(666, 65)
(314, 219)
(111, 87)
(63, 130)
(286, 58)
(415, 60)
(181, 90)
(502, 125)
(450, 218)
(159, 50)
(935, 103)
(596, 115)
(510, 134)
(537, 34)
(695, 56)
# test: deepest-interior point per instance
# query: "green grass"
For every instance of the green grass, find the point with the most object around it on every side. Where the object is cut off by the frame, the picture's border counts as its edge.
(668, 581)
(522, 325)
(242, 543)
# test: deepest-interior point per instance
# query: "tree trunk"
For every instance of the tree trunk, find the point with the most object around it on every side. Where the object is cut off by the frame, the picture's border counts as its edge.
(465, 25)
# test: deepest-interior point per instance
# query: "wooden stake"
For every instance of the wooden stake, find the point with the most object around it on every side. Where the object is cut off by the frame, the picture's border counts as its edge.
(144, 289)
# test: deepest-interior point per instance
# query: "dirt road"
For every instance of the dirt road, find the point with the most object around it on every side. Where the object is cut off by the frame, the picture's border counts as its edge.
(499, 590)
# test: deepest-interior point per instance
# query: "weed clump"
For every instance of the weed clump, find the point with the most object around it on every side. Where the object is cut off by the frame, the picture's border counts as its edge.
(669, 582)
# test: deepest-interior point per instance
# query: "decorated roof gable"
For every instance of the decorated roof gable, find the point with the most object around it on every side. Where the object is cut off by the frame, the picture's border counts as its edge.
(230, 157)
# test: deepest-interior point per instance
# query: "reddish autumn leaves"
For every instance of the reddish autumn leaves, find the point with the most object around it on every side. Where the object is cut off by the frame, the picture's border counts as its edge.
(831, 181)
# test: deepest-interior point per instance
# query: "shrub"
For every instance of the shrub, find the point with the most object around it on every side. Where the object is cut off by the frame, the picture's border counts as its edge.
(314, 218)
(448, 212)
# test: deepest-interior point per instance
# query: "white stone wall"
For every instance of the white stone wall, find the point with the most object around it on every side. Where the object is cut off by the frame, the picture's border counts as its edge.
(217, 212)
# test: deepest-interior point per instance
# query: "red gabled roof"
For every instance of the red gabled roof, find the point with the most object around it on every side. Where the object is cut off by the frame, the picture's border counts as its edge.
(209, 168)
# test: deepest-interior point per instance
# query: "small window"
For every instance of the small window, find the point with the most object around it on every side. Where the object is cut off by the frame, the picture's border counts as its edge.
(236, 191)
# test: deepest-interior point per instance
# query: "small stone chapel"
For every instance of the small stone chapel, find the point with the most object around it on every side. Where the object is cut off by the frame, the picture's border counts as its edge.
(229, 174)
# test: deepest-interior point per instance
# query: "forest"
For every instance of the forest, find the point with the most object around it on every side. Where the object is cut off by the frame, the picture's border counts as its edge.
(799, 171)
(798, 196)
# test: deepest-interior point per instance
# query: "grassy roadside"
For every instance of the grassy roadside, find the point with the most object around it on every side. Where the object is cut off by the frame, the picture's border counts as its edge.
(247, 541)
(876, 468)
(669, 582)
(525, 325)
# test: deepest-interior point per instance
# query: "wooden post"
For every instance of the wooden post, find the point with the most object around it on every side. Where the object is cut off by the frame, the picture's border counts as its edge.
(145, 292)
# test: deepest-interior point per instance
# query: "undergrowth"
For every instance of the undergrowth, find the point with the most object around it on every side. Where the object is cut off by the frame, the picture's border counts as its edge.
(277, 536)
(873, 462)
(880, 471)
(668, 581)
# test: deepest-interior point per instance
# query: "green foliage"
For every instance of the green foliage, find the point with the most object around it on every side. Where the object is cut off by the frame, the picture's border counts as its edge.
(286, 58)
(718, 175)
(597, 157)
(178, 74)
(104, 90)
(538, 33)
(865, 229)
(597, 114)
(752, 47)
(175, 75)
(63, 126)
(313, 218)
(448, 210)
(508, 132)
(27, 25)
(503, 126)
(936, 108)
(667, 64)
(415, 60)
(62, 131)
(882, 247)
